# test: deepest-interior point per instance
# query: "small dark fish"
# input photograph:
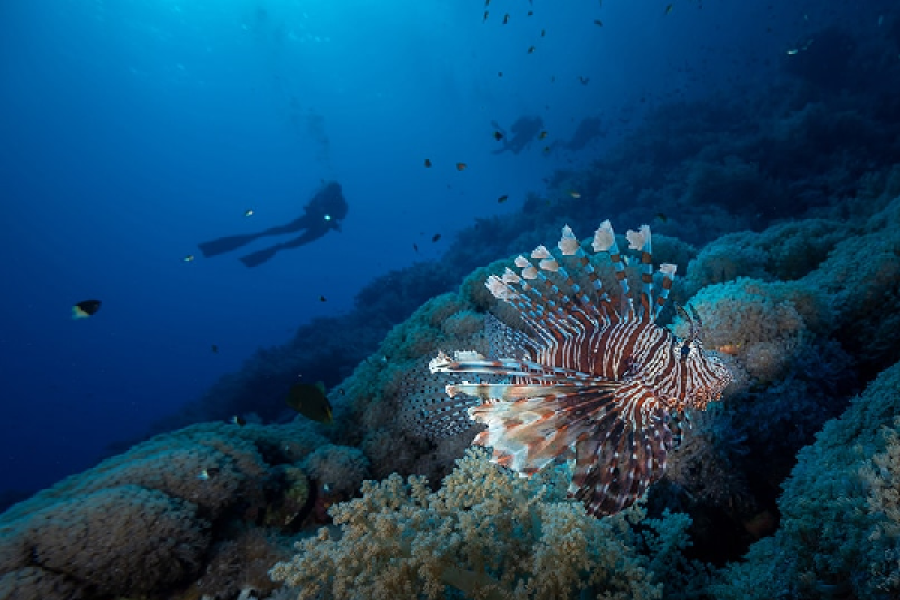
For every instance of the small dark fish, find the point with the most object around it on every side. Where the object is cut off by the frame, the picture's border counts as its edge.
(238, 420)
(435, 237)
(498, 136)
(542, 135)
(310, 401)
(668, 9)
(214, 348)
(584, 80)
(543, 32)
(85, 309)
(499, 73)
(484, 18)
(323, 299)
(531, 50)
(506, 18)
(662, 217)
(208, 473)
(427, 163)
(503, 198)
(461, 166)
(546, 149)
(487, 3)
(530, 13)
(415, 247)
(598, 22)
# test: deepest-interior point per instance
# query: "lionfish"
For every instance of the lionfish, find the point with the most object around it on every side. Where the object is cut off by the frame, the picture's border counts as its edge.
(591, 378)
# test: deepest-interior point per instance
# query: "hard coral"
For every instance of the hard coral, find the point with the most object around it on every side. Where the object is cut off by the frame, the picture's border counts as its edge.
(124, 540)
(485, 533)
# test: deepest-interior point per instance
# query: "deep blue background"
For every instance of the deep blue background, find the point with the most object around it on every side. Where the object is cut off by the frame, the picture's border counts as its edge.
(132, 130)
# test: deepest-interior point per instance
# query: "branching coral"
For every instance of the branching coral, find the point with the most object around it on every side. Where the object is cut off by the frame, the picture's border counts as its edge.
(485, 533)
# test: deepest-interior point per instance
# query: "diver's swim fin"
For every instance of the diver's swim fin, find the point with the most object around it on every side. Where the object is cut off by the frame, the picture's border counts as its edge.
(226, 244)
(259, 257)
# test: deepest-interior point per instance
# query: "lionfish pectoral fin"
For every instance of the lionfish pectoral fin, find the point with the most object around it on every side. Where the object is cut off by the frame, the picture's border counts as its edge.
(626, 452)
(529, 433)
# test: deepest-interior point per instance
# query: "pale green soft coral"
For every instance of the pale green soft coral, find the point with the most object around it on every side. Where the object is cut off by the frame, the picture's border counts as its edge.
(838, 534)
(486, 533)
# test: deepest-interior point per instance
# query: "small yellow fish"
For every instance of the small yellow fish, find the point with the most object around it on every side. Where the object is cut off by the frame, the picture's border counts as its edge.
(85, 309)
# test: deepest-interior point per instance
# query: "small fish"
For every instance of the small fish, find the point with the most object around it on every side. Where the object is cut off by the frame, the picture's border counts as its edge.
(310, 401)
(575, 194)
(542, 135)
(668, 9)
(416, 248)
(214, 348)
(546, 150)
(584, 80)
(506, 18)
(543, 32)
(662, 217)
(461, 166)
(598, 22)
(503, 198)
(188, 258)
(323, 299)
(238, 420)
(499, 73)
(498, 136)
(484, 18)
(531, 50)
(731, 349)
(208, 473)
(530, 13)
(435, 237)
(248, 212)
(487, 3)
(85, 309)
(427, 163)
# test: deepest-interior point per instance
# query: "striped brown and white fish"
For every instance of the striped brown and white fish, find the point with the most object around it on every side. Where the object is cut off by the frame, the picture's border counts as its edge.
(593, 379)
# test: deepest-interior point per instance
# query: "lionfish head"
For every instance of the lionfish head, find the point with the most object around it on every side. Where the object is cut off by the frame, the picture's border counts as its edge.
(708, 374)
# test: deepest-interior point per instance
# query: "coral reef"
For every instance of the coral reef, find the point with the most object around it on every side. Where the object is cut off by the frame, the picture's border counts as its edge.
(838, 526)
(485, 533)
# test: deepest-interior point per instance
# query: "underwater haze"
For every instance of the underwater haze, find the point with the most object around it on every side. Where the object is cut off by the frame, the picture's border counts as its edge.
(134, 130)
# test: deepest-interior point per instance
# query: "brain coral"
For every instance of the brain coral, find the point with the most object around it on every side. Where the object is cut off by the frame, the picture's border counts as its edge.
(123, 540)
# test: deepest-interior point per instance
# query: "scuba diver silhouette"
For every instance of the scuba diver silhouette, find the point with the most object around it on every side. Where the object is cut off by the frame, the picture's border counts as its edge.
(323, 213)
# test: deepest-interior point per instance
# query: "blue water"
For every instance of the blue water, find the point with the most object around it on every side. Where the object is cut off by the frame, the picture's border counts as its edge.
(134, 130)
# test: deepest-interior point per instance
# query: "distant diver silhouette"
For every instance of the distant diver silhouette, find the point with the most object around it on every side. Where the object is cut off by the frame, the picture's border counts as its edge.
(524, 131)
(322, 214)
